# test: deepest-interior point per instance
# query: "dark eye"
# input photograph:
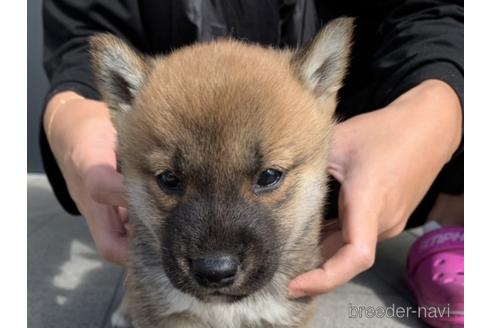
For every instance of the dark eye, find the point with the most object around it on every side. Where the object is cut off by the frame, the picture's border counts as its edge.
(168, 181)
(269, 178)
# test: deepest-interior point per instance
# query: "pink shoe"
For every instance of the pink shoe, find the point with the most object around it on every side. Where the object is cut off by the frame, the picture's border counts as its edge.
(435, 274)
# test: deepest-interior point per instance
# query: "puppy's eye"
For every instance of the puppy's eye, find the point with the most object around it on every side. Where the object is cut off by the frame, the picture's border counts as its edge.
(168, 181)
(269, 178)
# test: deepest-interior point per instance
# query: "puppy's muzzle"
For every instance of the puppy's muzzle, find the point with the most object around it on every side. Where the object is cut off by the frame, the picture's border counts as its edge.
(215, 271)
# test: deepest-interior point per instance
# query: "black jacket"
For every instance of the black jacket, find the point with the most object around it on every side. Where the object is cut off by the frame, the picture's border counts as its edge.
(398, 43)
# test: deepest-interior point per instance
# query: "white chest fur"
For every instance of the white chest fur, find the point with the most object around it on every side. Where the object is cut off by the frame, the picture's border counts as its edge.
(251, 310)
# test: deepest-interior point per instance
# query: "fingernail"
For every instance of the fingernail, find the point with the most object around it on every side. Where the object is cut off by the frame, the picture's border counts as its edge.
(296, 293)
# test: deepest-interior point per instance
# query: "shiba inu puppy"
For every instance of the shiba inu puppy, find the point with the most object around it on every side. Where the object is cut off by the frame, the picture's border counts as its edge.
(223, 147)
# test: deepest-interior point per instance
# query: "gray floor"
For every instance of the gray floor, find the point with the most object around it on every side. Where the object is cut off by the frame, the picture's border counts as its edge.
(70, 286)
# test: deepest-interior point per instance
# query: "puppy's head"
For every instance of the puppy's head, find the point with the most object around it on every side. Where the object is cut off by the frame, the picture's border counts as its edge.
(223, 147)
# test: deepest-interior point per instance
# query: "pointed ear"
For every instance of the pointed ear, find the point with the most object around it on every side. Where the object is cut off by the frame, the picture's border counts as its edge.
(120, 71)
(322, 64)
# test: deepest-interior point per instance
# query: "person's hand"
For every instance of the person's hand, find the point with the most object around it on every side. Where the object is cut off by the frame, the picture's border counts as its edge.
(82, 139)
(386, 161)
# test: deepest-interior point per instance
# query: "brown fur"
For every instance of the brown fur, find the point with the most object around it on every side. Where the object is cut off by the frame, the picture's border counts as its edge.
(222, 112)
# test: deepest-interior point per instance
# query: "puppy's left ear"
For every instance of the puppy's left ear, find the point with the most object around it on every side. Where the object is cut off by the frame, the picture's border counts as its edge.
(120, 71)
(322, 64)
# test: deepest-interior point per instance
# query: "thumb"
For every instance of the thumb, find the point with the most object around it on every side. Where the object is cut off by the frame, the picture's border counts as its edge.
(105, 185)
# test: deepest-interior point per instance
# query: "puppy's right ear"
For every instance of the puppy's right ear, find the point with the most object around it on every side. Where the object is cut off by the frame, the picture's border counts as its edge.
(120, 71)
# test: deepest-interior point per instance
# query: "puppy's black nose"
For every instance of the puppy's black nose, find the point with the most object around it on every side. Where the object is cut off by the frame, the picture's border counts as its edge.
(215, 271)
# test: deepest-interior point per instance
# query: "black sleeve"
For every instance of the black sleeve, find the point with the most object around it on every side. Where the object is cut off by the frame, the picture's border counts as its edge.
(67, 26)
(421, 39)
